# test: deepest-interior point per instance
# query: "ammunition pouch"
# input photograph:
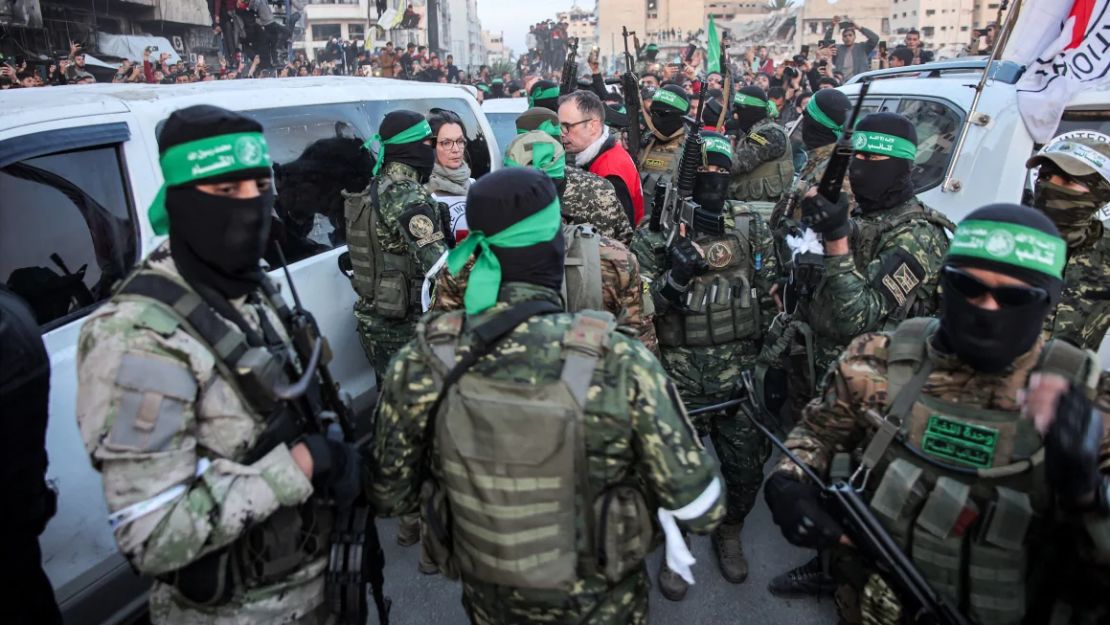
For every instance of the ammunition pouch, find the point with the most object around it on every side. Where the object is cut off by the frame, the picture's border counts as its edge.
(395, 291)
(353, 553)
(258, 371)
(718, 311)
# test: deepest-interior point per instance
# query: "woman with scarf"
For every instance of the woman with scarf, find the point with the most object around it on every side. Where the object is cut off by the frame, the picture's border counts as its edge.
(450, 178)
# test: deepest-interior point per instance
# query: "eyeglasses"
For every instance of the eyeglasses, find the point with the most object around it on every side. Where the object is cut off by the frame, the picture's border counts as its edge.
(971, 287)
(566, 127)
(447, 144)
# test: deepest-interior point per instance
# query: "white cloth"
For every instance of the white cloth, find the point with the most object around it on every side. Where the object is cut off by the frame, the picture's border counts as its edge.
(429, 280)
(679, 558)
(591, 152)
(1056, 68)
(807, 243)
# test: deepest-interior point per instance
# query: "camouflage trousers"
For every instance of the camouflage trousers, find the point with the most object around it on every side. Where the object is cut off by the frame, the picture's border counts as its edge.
(592, 601)
(706, 376)
(382, 337)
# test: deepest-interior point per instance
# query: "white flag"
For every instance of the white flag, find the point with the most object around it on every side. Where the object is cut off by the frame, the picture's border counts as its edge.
(1065, 46)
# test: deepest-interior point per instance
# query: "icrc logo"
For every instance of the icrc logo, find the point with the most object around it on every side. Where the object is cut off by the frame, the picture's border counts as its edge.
(1000, 243)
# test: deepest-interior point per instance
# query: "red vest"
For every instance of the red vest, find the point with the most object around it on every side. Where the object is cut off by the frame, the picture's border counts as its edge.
(616, 162)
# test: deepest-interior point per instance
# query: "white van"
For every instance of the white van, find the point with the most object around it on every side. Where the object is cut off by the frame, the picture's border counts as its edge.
(78, 169)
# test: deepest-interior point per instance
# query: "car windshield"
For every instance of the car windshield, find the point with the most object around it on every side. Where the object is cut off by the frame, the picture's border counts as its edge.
(504, 128)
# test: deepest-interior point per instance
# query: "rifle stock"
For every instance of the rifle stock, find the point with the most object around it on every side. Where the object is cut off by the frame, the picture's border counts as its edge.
(833, 178)
(570, 68)
(923, 605)
(630, 86)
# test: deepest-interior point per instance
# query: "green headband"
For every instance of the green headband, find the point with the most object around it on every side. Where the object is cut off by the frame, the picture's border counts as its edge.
(883, 144)
(1020, 246)
(548, 126)
(544, 159)
(206, 158)
(743, 99)
(816, 114)
(485, 279)
(670, 99)
(543, 94)
(718, 145)
(484, 88)
(418, 132)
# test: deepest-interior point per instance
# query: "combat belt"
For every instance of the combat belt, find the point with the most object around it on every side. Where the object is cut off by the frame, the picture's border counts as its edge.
(259, 371)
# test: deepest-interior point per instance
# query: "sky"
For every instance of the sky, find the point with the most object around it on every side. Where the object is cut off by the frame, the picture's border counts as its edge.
(513, 16)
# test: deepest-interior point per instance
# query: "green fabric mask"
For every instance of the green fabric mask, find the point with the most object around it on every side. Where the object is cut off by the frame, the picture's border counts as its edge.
(485, 279)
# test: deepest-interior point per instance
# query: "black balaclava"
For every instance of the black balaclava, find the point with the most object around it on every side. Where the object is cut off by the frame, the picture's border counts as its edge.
(879, 185)
(544, 93)
(834, 105)
(748, 116)
(990, 340)
(711, 112)
(216, 241)
(501, 199)
(711, 188)
(666, 117)
(1073, 212)
(418, 155)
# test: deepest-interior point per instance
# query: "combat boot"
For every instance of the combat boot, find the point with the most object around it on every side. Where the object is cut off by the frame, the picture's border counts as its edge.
(809, 579)
(408, 530)
(671, 585)
(426, 565)
(730, 552)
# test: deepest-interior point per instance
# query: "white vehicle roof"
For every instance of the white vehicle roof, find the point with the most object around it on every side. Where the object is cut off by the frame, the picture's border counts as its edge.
(30, 106)
(505, 105)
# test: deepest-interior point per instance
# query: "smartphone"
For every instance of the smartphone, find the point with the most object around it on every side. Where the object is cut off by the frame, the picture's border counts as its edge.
(882, 48)
(805, 50)
(826, 43)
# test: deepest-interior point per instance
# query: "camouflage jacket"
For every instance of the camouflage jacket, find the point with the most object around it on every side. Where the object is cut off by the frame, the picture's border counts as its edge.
(1083, 315)
(890, 274)
(636, 433)
(837, 420)
(659, 159)
(755, 153)
(591, 199)
(153, 411)
(621, 291)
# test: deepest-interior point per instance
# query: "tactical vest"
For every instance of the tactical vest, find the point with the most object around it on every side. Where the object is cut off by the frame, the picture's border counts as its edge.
(722, 305)
(770, 180)
(514, 506)
(659, 161)
(582, 267)
(963, 491)
(390, 283)
(287, 540)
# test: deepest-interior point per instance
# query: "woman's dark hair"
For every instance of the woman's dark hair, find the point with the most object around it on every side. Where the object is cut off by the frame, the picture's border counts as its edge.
(438, 117)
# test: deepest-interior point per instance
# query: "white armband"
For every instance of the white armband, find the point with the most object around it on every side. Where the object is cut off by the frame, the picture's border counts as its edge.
(679, 558)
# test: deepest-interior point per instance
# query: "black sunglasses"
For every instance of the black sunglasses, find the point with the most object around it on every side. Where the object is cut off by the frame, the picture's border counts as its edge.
(972, 288)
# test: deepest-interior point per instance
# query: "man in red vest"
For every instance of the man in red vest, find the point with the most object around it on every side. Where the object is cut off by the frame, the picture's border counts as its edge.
(586, 137)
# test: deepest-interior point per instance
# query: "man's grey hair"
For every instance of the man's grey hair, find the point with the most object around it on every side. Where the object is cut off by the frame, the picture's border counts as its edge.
(587, 102)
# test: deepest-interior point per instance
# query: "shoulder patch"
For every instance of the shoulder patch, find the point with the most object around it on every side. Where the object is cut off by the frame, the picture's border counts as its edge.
(155, 318)
(758, 138)
(899, 275)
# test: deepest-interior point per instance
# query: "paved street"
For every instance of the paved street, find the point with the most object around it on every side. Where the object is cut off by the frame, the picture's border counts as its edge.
(432, 600)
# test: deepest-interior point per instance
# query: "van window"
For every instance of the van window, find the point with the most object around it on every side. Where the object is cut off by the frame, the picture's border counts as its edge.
(317, 153)
(66, 230)
(937, 126)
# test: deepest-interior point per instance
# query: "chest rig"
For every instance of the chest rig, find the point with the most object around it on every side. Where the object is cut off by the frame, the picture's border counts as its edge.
(961, 488)
(512, 504)
(389, 282)
(721, 305)
(770, 180)
(659, 161)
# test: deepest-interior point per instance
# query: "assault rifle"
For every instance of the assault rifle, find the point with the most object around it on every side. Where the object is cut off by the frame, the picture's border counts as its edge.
(631, 87)
(922, 604)
(569, 80)
(680, 206)
(356, 558)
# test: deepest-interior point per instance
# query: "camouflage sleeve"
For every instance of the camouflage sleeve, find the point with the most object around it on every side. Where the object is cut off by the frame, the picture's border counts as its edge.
(623, 293)
(397, 447)
(904, 272)
(758, 148)
(449, 291)
(1083, 315)
(672, 461)
(766, 271)
(834, 422)
(1104, 407)
(400, 233)
(592, 199)
(138, 417)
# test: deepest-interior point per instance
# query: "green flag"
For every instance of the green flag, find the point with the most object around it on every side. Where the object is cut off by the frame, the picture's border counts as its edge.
(714, 62)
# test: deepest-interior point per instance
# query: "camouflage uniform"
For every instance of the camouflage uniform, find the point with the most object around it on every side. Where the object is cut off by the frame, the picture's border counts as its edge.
(594, 201)
(399, 189)
(707, 375)
(858, 393)
(1083, 315)
(154, 411)
(622, 292)
(659, 160)
(762, 167)
(890, 274)
(635, 434)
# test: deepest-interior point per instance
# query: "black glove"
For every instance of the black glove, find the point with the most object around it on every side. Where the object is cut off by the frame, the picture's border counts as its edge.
(828, 218)
(445, 224)
(1072, 447)
(686, 261)
(335, 468)
(796, 509)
